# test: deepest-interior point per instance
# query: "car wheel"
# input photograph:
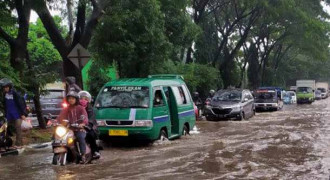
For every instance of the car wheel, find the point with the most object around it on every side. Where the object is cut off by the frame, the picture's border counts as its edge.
(241, 116)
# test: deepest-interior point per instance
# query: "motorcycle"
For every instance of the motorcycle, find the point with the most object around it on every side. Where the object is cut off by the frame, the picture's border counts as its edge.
(65, 145)
(5, 141)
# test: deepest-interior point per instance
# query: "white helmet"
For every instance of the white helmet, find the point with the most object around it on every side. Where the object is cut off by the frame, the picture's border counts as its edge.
(85, 94)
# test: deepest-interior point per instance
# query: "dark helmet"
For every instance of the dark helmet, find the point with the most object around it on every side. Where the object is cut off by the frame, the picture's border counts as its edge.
(73, 94)
(6, 82)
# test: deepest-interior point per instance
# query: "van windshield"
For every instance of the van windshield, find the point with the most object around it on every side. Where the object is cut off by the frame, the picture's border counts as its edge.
(123, 97)
(266, 95)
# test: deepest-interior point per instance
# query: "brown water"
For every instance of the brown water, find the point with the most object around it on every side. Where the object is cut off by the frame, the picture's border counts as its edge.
(290, 144)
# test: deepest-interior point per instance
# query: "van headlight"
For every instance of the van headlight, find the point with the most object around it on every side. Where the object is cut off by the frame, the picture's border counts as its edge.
(101, 123)
(60, 131)
(143, 123)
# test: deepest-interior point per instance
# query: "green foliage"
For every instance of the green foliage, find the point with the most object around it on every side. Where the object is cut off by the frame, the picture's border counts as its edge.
(134, 37)
(98, 76)
(198, 77)
(45, 61)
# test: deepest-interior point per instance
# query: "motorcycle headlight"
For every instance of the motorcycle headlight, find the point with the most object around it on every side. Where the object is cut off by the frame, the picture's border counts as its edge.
(144, 123)
(60, 131)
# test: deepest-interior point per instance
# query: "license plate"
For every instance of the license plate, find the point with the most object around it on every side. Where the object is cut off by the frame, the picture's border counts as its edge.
(113, 132)
(60, 150)
(50, 106)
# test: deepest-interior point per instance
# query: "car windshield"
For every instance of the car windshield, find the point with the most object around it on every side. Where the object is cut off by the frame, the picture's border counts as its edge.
(321, 89)
(318, 92)
(305, 89)
(123, 97)
(266, 95)
(292, 94)
(228, 96)
(52, 94)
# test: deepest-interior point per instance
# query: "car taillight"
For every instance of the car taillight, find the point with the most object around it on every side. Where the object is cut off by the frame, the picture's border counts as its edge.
(64, 105)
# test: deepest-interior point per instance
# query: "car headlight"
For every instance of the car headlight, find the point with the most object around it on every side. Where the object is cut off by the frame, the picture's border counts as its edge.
(101, 123)
(236, 108)
(60, 131)
(143, 123)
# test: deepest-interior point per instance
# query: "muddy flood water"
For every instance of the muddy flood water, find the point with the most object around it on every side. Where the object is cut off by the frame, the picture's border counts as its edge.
(290, 144)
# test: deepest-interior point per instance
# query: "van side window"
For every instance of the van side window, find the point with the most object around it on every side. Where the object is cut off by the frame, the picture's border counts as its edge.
(186, 93)
(178, 95)
(158, 98)
(182, 95)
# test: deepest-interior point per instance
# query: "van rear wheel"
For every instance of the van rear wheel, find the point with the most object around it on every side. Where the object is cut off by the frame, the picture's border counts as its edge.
(185, 130)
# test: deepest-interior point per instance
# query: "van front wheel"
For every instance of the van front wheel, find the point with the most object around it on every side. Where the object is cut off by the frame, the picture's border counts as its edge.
(163, 135)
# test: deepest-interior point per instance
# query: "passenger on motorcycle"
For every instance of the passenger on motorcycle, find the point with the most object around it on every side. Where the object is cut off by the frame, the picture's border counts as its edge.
(85, 101)
(73, 114)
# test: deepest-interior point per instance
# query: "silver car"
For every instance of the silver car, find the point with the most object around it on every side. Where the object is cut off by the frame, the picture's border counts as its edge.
(235, 103)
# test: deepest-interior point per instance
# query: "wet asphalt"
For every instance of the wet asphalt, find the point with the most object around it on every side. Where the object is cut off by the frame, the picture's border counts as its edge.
(293, 143)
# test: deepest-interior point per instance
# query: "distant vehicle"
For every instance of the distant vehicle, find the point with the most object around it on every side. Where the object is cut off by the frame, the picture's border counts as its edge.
(234, 103)
(324, 88)
(293, 96)
(268, 99)
(52, 101)
(318, 95)
(305, 91)
(157, 107)
(293, 88)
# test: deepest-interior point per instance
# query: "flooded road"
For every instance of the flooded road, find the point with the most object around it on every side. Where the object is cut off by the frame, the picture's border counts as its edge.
(290, 144)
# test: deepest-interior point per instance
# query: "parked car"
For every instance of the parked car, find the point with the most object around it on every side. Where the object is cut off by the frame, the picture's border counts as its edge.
(52, 101)
(235, 103)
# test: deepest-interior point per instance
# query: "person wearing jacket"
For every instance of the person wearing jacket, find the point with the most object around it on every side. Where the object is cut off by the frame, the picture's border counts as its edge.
(75, 113)
(14, 107)
(85, 101)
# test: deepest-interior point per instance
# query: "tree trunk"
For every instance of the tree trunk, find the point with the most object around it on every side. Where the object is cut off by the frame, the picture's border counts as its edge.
(36, 100)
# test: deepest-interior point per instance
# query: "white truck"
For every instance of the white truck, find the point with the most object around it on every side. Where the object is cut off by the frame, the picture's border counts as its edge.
(305, 91)
(324, 88)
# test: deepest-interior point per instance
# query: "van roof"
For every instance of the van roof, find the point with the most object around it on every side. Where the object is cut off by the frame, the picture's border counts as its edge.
(152, 80)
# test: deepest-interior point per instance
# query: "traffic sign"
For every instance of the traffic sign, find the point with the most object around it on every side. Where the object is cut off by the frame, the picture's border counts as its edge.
(79, 56)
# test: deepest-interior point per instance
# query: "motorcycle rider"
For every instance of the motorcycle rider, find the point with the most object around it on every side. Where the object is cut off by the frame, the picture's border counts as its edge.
(71, 84)
(197, 99)
(73, 114)
(211, 93)
(85, 101)
(14, 108)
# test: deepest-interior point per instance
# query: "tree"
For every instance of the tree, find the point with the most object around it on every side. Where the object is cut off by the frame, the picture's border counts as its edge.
(135, 38)
(84, 28)
(43, 64)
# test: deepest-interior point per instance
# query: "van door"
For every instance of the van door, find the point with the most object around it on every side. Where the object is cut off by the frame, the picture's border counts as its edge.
(173, 109)
(160, 111)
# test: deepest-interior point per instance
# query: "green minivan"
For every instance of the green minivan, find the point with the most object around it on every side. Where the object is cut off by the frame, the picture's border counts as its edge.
(152, 108)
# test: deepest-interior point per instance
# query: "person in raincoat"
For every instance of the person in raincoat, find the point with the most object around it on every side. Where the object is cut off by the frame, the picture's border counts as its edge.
(15, 110)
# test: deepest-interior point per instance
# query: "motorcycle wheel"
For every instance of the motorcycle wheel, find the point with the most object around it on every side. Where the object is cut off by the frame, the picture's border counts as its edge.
(55, 159)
